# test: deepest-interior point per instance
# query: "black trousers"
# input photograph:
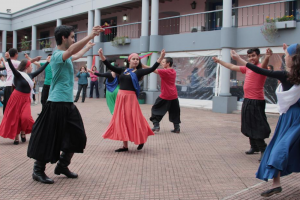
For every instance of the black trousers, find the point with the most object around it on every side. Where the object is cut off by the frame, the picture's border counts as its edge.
(7, 92)
(161, 107)
(80, 87)
(45, 94)
(258, 144)
(94, 84)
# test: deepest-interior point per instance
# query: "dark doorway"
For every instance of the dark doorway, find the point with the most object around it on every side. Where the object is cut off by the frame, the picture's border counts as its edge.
(44, 39)
(109, 33)
(169, 26)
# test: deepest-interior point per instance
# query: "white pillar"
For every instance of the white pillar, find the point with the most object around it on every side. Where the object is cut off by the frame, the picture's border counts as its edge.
(224, 72)
(90, 27)
(145, 79)
(4, 36)
(154, 31)
(97, 38)
(33, 38)
(15, 38)
(145, 18)
(58, 22)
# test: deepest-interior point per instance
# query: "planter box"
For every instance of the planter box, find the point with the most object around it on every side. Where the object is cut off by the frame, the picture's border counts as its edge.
(27, 52)
(48, 49)
(127, 40)
(285, 24)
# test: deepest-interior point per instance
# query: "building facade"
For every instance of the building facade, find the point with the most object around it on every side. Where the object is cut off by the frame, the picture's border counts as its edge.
(191, 32)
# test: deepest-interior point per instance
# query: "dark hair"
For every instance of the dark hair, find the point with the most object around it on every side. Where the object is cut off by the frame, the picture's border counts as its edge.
(93, 67)
(84, 68)
(271, 66)
(294, 75)
(61, 31)
(50, 54)
(12, 52)
(256, 50)
(22, 65)
(137, 68)
(169, 60)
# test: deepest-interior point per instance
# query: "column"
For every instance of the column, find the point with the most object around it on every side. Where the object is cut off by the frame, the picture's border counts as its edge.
(145, 32)
(58, 22)
(33, 38)
(15, 38)
(4, 36)
(97, 39)
(90, 27)
(224, 72)
(154, 31)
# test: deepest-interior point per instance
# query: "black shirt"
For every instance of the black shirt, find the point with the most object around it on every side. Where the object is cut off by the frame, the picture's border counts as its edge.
(19, 81)
(282, 76)
(125, 80)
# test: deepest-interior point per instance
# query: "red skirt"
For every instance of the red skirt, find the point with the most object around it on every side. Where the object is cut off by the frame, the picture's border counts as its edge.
(128, 122)
(17, 116)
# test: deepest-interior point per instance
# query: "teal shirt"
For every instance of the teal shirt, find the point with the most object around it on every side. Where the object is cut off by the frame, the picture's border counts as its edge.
(61, 89)
(82, 78)
(48, 74)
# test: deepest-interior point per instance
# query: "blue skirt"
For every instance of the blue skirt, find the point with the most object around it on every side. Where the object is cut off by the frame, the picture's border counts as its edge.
(283, 152)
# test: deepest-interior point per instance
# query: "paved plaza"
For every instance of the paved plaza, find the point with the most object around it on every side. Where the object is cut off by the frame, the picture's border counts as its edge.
(205, 161)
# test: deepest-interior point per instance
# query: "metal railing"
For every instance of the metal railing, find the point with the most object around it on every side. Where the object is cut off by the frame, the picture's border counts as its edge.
(131, 30)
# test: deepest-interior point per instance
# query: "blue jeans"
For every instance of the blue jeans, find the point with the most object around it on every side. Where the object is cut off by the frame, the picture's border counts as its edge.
(94, 83)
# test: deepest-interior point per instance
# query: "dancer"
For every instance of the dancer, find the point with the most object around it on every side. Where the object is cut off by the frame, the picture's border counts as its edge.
(112, 88)
(17, 117)
(254, 119)
(168, 99)
(47, 82)
(281, 157)
(128, 122)
(13, 53)
(94, 82)
(59, 127)
(82, 83)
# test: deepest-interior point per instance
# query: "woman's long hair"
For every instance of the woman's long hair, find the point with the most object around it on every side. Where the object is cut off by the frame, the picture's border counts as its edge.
(22, 65)
(294, 74)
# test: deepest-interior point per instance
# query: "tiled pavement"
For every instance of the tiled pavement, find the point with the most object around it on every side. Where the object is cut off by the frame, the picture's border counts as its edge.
(205, 161)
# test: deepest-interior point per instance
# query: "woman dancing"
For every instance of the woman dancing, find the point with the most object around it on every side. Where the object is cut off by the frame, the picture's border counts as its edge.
(281, 157)
(17, 117)
(128, 122)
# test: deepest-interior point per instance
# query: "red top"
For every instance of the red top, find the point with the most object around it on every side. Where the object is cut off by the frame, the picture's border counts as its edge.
(107, 31)
(93, 76)
(254, 84)
(168, 87)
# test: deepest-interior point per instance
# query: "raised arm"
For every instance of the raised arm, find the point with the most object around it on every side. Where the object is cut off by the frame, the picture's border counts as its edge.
(227, 65)
(78, 55)
(76, 47)
(146, 71)
(28, 58)
(118, 70)
(37, 72)
(147, 67)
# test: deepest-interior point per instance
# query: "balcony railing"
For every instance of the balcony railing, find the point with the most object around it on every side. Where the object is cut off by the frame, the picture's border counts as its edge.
(132, 30)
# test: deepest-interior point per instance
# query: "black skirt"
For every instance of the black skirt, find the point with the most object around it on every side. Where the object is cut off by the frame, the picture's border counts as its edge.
(254, 119)
(7, 92)
(59, 127)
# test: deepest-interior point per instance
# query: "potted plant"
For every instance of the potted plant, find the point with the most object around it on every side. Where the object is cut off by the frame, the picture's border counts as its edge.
(25, 46)
(46, 46)
(120, 41)
(269, 30)
(285, 22)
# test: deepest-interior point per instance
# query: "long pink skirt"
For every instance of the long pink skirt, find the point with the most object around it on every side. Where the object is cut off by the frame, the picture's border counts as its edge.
(128, 122)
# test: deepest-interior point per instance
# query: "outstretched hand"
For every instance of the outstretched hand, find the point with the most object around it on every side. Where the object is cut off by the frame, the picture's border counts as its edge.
(90, 71)
(36, 59)
(284, 46)
(216, 60)
(269, 52)
(26, 56)
(89, 45)
(234, 55)
(48, 58)
(162, 55)
(100, 52)
(7, 56)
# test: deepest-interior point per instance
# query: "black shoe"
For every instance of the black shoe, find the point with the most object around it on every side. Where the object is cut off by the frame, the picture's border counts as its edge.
(140, 147)
(39, 173)
(23, 139)
(16, 142)
(176, 130)
(261, 156)
(121, 149)
(42, 178)
(270, 192)
(252, 151)
(156, 128)
(65, 171)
